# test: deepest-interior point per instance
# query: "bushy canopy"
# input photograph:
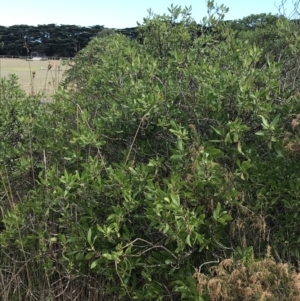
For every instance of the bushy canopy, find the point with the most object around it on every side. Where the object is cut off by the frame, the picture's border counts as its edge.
(155, 159)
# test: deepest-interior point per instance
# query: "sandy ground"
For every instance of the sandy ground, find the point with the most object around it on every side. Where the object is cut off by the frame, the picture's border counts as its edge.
(35, 76)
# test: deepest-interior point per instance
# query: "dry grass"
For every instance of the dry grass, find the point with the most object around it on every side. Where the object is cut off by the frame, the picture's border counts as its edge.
(35, 76)
(264, 280)
(291, 140)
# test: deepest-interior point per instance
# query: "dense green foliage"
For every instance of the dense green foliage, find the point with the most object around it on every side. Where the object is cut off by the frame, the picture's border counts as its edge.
(161, 156)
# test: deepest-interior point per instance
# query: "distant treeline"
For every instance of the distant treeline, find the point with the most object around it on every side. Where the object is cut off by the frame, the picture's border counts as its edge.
(51, 39)
(67, 40)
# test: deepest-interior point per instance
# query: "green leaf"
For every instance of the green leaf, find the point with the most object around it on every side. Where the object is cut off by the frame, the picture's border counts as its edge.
(176, 157)
(275, 121)
(108, 256)
(180, 144)
(100, 229)
(227, 138)
(239, 147)
(166, 228)
(89, 237)
(264, 120)
(175, 199)
(224, 219)
(216, 130)
(88, 256)
(279, 152)
(146, 275)
(215, 216)
(94, 264)
(188, 240)
(260, 133)
(167, 199)
(214, 152)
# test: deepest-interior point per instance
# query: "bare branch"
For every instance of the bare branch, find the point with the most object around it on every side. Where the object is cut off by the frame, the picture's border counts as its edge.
(282, 9)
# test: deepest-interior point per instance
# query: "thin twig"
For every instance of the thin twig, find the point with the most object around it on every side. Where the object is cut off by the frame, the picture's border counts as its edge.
(136, 133)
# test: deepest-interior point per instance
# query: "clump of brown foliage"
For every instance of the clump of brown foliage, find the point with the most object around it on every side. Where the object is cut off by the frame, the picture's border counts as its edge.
(264, 280)
(291, 140)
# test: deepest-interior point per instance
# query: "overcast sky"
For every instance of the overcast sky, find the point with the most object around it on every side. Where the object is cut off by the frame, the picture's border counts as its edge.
(117, 13)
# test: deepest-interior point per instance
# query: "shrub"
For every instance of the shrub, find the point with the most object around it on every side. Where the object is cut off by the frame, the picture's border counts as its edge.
(160, 156)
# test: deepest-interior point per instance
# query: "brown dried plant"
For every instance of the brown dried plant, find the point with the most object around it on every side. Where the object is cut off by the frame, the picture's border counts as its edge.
(291, 139)
(233, 280)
